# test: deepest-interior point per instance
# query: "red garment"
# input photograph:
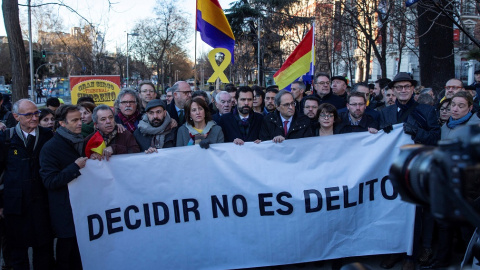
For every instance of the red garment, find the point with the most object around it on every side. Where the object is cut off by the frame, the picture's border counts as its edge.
(130, 121)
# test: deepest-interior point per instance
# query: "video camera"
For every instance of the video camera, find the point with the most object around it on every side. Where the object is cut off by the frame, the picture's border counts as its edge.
(445, 179)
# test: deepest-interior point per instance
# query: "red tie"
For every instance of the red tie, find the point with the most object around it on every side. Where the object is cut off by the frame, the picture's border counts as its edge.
(285, 129)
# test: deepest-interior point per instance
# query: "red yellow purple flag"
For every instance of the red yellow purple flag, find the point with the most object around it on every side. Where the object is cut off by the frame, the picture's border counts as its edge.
(300, 62)
(95, 144)
(213, 25)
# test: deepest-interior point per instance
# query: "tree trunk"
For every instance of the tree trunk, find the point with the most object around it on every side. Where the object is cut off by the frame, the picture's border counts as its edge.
(17, 49)
(383, 59)
(437, 64)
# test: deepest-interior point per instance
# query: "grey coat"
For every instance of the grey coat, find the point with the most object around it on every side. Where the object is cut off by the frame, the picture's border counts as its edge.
(457, 132)
(215, 134)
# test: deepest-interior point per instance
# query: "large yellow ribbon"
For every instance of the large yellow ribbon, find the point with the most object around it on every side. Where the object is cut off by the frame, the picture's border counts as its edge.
(218, 70)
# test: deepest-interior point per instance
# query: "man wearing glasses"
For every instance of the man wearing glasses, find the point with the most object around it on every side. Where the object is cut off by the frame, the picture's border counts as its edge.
(147, 93)
(452, 87)
(181, 94)
(27, 220)
(284, 123)
(127, 109)
(323, 92)
(419, 120)
(355, 119)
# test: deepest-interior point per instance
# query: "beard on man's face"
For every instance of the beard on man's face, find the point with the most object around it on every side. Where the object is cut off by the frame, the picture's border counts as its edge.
(245, 109)
(156, 122)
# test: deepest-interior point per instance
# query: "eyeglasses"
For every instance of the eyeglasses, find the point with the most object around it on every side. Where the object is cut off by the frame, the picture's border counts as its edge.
(453, 87)
(287, 105)
(400, 87)
(322, 83)
(326, 116)
(148, 91)
(128, 102)
(356, 104)
(30, 115)
(187, 93)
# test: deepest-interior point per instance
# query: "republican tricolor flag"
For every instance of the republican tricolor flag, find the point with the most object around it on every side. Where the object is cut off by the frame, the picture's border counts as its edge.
(213, 25)
(299, 63)
(95, 144)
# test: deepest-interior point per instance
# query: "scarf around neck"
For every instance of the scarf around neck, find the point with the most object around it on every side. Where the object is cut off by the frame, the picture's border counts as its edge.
(158, 139)
(454, 123)
(205, 130)
(76, 139)
(129, 122)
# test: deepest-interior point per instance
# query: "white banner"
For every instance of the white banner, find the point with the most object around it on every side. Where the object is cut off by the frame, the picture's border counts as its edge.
(243, 206)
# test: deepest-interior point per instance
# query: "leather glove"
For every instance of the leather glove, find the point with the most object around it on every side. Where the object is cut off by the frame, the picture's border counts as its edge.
(410, 129)
(205, 143)
(387, 129)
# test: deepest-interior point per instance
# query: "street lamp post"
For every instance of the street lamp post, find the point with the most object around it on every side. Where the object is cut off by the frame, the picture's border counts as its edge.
(134, 35)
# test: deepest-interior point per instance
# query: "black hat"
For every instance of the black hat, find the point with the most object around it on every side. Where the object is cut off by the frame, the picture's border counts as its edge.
(340, 78)
(155, 103)
(402, 77)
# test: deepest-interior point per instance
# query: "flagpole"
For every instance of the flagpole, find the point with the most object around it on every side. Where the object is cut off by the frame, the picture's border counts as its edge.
(313, 50)
(195, 54)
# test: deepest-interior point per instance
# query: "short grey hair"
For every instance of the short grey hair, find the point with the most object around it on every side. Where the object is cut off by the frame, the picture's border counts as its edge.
(175, 86)
(217, 96)
(278, 97)
(125, 91)
(357, 85)
(300, 84)
(16, 106)
(101, 107)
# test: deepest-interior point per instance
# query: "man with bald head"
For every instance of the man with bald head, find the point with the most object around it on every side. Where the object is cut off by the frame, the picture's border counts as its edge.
(27, 218)
(181, 94)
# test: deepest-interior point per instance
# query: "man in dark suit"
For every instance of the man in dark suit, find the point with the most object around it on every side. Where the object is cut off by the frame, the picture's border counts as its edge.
(284, 123)
(181, 94)
(224, 103)
(419, 120)
(362, 88)
(27, 219)
(60, 161)
(355, 119)
(242, 125)
(324, 93)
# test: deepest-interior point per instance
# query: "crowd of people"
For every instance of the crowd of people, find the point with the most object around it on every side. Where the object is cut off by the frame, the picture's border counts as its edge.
(42, 150)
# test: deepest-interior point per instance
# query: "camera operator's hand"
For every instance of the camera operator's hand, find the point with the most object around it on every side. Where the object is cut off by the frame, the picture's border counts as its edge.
(410, 129)
(387, 129)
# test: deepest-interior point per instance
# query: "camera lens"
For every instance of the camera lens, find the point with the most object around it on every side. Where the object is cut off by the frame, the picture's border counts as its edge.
(410, 173)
